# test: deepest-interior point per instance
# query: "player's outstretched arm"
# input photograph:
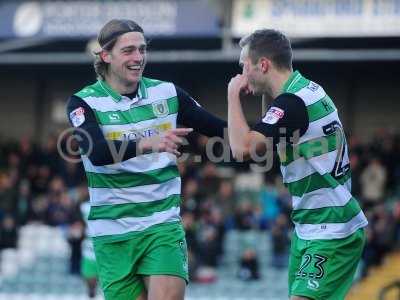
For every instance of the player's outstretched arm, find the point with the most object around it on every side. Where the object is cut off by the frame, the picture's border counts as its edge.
(192, 115)
(105, 152)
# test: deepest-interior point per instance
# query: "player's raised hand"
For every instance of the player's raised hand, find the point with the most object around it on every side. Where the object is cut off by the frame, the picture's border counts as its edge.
(168, 141)
(237, 87)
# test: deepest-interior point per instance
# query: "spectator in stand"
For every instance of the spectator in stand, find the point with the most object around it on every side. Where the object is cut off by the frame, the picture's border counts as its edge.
(75, 236)
(356, 170)
(280, 232)
(8, 232)
(210, 180)
(373, 182)
(49, 155)
(7, 193)
(396, 216)
(190, 195)
(245, 218)
(226, 201)
(269, 204)
(60, 207)
(41, 180)
(24, 211)
(384, 230)
(249, 265)
(190, 226)
(217, 220)
(207, 236)
(73, 174)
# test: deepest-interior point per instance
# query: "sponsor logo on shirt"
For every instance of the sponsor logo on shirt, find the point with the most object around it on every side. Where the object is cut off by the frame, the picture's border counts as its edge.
(140, 133)
(77, 116)
(273, 115)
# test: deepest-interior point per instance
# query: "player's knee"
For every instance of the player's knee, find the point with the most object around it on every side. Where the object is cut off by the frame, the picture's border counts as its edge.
(174, 296)
(170, 295)
(166, 288)
(175, 293)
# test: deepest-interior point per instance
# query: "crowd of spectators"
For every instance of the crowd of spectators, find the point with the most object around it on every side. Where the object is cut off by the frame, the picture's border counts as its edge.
(38, 185)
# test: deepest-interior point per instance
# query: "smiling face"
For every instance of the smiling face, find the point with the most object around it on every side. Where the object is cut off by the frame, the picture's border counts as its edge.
(127, 59)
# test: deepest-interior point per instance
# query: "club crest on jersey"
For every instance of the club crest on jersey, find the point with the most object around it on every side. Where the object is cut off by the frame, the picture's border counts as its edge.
(273, 115)
(160, 108)
(77, 116)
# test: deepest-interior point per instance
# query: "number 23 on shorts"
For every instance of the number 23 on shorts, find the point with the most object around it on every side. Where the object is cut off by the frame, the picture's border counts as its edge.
(312, 266)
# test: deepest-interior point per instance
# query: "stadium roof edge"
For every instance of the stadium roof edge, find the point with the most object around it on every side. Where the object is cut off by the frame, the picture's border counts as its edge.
(197, 56)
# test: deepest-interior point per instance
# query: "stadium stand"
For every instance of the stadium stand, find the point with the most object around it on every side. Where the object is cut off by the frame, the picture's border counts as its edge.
(238, 243)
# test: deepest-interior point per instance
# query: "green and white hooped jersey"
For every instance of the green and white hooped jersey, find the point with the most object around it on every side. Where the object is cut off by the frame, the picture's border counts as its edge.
(87, 244)
(138, 193)
(316, 169)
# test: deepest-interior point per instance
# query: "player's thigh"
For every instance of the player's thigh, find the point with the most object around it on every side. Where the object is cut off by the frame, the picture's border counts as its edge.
(165, 287)
(166, 255)
(327, 267)
(117, 269)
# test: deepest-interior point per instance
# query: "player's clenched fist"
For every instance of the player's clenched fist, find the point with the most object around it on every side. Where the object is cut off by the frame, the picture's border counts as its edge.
(238, 86)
